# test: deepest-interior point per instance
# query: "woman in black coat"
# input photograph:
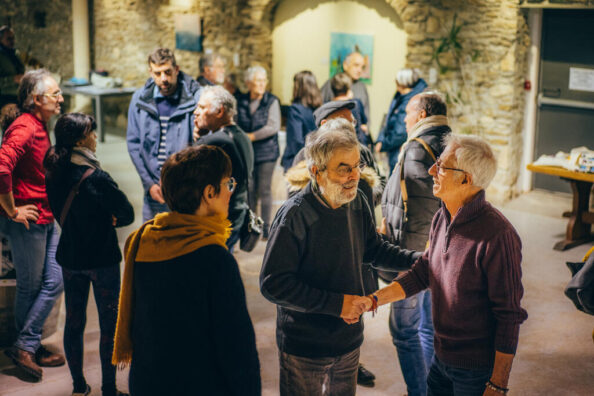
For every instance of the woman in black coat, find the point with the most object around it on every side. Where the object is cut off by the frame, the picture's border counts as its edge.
(88, 250)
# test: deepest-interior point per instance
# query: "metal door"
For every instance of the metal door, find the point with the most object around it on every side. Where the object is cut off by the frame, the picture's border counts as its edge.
(566, 95)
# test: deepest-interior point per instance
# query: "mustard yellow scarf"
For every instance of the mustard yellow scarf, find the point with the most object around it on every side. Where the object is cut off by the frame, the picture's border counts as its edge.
(167, 236)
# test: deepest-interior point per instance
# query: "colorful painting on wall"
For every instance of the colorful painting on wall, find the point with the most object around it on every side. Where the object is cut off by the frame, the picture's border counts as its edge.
(342, 44)
(188, 32)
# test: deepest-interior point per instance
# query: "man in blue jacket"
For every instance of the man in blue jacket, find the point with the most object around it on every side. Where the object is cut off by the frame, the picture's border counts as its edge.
(160, 123)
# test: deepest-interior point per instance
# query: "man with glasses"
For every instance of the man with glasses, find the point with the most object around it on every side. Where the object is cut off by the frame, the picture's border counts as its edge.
(473, 269)
(26, 218)
(408, 206)
(160, 123)
(213, 118)
(312, 268)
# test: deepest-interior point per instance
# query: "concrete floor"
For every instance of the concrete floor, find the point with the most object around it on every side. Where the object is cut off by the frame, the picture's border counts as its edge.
(555, 354)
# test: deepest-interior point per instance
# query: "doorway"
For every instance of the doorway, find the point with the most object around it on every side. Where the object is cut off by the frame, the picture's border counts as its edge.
(565, 116)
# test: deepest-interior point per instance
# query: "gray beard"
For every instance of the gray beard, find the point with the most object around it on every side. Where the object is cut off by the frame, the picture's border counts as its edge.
(334, 192)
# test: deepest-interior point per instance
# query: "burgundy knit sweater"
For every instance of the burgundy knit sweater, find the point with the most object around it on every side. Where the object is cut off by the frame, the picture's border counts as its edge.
(473, 269)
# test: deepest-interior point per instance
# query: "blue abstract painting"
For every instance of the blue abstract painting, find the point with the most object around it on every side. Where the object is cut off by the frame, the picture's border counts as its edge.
(188, 35)
(342, 44)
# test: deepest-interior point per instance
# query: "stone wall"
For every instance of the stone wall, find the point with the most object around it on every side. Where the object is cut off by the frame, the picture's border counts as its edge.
(50, 45)
(483, 81)
(126, 32)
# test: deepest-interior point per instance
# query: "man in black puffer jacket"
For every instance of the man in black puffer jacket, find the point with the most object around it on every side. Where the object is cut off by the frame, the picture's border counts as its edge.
(408, 226)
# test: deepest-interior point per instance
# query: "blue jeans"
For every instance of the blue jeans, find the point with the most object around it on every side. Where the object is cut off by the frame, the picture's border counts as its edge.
(151, 208)
(411, 327)
(39, 277)
(331, 376)
(450, 381)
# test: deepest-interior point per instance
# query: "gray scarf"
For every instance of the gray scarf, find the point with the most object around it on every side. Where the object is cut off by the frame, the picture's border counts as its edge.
(84, 157)
(420, 127)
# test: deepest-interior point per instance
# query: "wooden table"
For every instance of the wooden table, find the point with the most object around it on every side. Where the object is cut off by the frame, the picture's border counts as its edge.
(580, 218)
(98, 94)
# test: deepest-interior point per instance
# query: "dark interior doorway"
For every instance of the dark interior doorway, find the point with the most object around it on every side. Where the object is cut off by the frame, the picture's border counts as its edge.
(566, 99)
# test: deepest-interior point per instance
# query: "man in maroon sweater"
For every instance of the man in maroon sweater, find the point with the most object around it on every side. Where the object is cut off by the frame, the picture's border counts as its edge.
(473, 269)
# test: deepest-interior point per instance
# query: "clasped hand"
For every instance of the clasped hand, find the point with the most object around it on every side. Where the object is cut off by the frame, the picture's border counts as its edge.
(353, 307)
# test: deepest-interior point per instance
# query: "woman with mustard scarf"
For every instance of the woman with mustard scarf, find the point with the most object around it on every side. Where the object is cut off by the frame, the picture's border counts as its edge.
(183, 325)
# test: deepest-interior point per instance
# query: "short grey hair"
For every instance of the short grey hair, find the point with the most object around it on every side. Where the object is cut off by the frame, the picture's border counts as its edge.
(474, 155)
(250, 72)
(335, 134)
(220, 97)
(32, 84)
(407, 77)
(208, 60)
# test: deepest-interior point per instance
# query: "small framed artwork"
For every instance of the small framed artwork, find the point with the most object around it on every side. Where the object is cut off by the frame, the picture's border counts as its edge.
(188, 32)
(342, 44)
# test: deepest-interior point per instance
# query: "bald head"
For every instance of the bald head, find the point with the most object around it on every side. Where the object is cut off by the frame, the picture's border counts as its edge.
(353, 65)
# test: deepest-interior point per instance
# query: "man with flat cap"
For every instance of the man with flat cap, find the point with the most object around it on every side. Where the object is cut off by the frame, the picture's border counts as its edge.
(371, 183)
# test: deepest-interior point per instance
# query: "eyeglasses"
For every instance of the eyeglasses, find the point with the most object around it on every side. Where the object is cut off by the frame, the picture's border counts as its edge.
(345, 170)
(231, 184)
(53, 95)
(438, 166)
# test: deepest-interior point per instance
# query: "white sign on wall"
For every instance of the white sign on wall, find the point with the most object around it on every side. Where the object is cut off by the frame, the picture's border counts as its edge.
(581, 79)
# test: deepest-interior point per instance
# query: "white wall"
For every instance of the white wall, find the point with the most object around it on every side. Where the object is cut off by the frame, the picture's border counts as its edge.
(301, 41)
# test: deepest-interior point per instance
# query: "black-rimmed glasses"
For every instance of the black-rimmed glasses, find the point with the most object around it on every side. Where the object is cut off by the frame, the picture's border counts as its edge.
(439, 166)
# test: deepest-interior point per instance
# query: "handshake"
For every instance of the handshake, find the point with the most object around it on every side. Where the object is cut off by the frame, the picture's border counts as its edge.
(354, 306)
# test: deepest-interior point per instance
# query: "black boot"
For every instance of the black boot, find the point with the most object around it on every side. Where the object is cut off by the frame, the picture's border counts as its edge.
(365, 377)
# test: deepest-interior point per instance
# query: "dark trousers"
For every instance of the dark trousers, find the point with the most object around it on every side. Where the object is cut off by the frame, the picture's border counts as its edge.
(106, 288)
(450, 381)
(261, 189)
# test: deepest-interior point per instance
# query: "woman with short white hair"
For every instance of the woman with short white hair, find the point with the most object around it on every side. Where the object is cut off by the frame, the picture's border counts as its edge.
(258, 114)
(393, 134)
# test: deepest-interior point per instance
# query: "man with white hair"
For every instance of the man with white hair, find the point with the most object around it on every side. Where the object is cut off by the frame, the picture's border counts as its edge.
(212, 70)
(26, 218)
(353, 65)
(473, 269)
(393, 134)
(312, 268)
(213, 118)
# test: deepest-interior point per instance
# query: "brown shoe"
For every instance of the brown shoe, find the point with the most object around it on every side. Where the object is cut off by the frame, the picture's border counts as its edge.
(47, 358)
(25, 360)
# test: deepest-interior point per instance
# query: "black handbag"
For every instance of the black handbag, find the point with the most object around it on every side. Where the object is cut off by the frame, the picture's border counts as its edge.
(251, 230)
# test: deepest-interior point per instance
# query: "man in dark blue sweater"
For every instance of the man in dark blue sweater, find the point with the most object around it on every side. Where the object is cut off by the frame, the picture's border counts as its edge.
(312, 268)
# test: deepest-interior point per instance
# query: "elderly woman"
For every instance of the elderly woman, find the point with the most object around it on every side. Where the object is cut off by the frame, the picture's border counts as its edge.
(88, 250)
(393, 134)
(183, 323)
(300, 119)
(26, 218)
(258, 114)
